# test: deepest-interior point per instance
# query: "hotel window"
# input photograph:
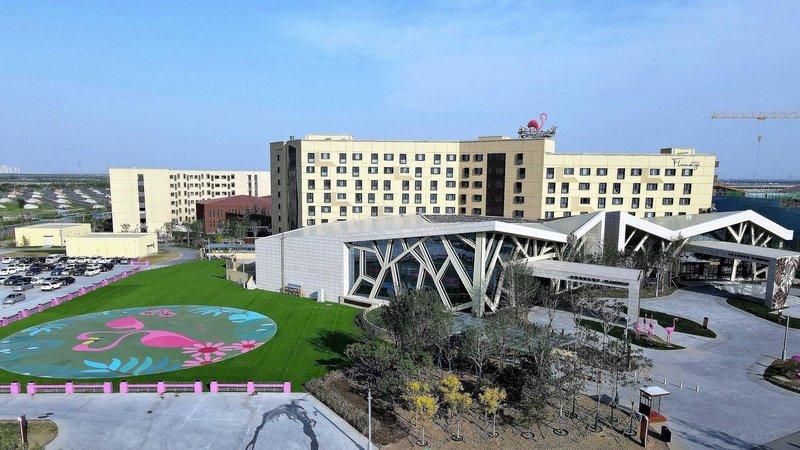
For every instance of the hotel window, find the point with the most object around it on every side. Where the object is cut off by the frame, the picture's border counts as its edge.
(465, 173)
(323, 171)
(517, 187)
(586, 201)
(477, 184)
(465, 158)
(373, 211)
(669, 186)
(325, 209)
(477, 198)
(437, 158)
(450, 197)
(387, 185)
(518, 158)
(324, 156)
(404, 170)
(421, 210)
(311, 158)
(602, 188)
(479, 157)
(342, 158)
(356, 156)
(669, 172)
(419, 157)
(687, 188)
(601, 202)
(583, 186)
(373, 158)
(309, 169)
(311, 185)
(549, 214)
(636, 172)
(359, 185)
(551, 173)
(372, 170)
(477, 171)
(565, 188)
(359, 197)
(635, 203)
(549, 200)
(648, 203)
(312, 211)
(436, 170)
(667, 214)
(417, 185)
(388, 170)
(569, 171)
(388, 156)
(451, 156)
(341, 183)
(518, 214)
(327, 197)
(602, 172)
(551, 188)
(666, 201)
(518, 199)
(521, 173)
(341, 169)
(585, 171)
(401, 210)
(616, 188)
(403, 158)
(434, 198)
(567, 214)
(464, 184)
(565, 202)
(687, 172)
(405, 198)
(388, 209)
(406, 185)
(685, 201)
(655, 172)
(652, 186)
(417, 198)
(370, 198)
(616, 201)
(450, 184)
(356, 171)
(357, 209)
(449, 172)
(434, 185)
(417, 171)
(326, 184)
(342, 211)
(388, 197)
(309, 197)
(620, 174)
(476, 211)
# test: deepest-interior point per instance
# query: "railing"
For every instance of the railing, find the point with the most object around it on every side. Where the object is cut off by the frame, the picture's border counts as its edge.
(25, 313)
(251, 387)
(161, 387)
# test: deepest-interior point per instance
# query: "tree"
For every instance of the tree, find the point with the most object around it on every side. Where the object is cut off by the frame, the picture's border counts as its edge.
(500, 329)
(477, 347)
(456, 401)
(416, 319)
(518, 284)
(381, 366)
(126, 227)
(26, 242)
(491, 399)
(423, 405)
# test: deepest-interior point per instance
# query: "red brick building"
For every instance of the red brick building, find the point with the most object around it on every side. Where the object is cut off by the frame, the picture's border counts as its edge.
(215, 212)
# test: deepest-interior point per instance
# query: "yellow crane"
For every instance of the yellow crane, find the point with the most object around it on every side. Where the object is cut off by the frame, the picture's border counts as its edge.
(761, 116)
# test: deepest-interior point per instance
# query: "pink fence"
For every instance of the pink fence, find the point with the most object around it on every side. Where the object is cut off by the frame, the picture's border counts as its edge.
(251, 387)
(161, 387)
(65, 298)
(139, 262)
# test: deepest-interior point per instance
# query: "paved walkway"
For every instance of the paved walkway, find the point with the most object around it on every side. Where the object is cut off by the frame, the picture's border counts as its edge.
(190, 421)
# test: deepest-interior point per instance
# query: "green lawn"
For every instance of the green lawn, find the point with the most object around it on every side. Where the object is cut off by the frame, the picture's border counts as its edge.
(619, 333)
(684, 325)
(310, 340)
(760, 310)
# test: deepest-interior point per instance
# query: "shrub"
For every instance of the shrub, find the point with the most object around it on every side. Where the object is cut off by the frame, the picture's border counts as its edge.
(321, 389)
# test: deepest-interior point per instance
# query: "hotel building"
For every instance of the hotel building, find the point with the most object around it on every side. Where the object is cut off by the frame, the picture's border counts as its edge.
(147, 199)
(326, 178)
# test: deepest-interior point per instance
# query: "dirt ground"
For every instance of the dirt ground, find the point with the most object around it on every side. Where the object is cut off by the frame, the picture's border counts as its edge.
(40, 432)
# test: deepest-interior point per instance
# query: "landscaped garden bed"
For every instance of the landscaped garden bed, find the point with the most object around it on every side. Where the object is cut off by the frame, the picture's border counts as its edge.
(785, 374)
(760, 310)
(40, 433)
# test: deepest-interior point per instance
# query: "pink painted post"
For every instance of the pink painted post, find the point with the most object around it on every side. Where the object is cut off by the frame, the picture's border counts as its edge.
(81, 291)
(214, 386)
(287, 387)
(3, 322)
(107, 387)
(160, 388)
(104, 282)
(123, 387)
(198, 387)
(15, 387)
(24, 313)
(251, 388)
(69, 387)
(40, 307)
(30, 388)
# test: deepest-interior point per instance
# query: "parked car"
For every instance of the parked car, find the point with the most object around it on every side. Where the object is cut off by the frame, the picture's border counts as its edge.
(124, 261)
(91, 272)
(66, 281)
(51, 285)
(34, 270)
(79, 271)
(105, 267)
(22, 287)
(52, 259)
(36, 281)
(11, 270)
(57, 271)
(13, 297)
(10, 280)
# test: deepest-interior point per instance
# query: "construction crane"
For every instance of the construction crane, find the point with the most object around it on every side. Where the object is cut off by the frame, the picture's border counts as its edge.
(761, 116)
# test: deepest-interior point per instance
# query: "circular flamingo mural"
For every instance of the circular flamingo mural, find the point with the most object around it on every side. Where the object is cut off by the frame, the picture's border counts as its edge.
(134, 341)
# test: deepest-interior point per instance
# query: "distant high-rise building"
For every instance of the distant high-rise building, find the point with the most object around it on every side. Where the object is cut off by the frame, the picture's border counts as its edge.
(8, 169)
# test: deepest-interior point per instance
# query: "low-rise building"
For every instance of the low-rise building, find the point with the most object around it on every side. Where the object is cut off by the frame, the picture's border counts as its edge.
(214, 213)
(123, 245)
(49, 234)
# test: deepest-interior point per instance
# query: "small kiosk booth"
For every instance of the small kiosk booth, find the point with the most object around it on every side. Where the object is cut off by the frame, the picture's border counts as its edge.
(650, 409)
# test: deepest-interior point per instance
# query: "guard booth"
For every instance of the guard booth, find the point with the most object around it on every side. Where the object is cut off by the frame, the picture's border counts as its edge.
(650, 403)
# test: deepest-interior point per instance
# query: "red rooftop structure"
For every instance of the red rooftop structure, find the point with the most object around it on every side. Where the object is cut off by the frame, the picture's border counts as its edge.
(215, 212)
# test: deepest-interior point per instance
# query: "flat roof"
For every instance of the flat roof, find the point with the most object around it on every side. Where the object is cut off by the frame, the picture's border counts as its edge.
(54, 225)
(675, 223)
(114, 235)
(587, 270)
(718, 248)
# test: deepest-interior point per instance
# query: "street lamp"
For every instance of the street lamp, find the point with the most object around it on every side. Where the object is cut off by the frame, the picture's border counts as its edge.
(369, 419)
(785, 334)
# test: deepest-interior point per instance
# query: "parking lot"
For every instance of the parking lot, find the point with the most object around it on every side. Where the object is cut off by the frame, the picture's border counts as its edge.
(35, 296)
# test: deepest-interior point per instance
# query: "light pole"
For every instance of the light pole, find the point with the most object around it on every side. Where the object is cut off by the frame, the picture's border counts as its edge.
(369, 419)
(785, 334)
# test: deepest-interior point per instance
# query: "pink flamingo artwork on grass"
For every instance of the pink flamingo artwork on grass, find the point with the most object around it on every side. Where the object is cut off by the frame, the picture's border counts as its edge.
(671, 329)
(651, 328)
(132, 326)
(639, 327)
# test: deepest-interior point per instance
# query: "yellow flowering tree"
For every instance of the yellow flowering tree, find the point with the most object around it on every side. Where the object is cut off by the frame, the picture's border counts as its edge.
(423, 405)
(491, 400)
(455, 399)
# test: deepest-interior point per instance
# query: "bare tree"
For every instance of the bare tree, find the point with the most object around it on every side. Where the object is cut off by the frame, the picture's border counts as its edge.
(477, 347)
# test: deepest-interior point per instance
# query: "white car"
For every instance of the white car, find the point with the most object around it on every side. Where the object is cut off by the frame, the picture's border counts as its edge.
(37, 281)
(51, 285)
(91, 272)
(8, 270)
(52, 259)
(80, 260)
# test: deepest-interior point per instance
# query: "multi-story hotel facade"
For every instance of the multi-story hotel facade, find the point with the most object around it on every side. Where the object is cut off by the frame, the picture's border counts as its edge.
(147, 199)
(325, 178)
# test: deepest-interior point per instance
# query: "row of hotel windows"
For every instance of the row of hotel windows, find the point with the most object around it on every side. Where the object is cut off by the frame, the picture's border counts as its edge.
(601, 202)
(616, 188)
(552, 214)
(206, 176)
(601, 172)
(387, 197)
(356, 171)
(387, 184)
(374, 157)
(374, 210)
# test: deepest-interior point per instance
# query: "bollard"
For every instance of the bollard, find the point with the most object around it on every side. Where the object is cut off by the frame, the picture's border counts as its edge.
(14, 387)
(198, 387)
(107, 387)
(287, 387)
(123, 387)
(30, 388)
(251, 388)
(705, 323)
(160, 388)
(214, 386)
(69, 387)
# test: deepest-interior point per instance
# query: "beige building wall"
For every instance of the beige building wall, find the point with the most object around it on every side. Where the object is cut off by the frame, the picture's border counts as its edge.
(50, 234)
(170, 196)
(527, 178)
(124, 245)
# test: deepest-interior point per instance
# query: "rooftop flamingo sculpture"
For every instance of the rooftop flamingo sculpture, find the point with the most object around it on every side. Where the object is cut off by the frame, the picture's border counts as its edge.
(639, 327)
(671, 329)
(651, 328)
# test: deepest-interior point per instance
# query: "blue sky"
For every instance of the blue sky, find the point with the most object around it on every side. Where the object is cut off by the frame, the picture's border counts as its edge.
(86, 85)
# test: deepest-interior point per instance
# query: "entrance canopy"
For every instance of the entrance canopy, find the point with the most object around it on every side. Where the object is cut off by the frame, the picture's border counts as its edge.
(614, 277)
